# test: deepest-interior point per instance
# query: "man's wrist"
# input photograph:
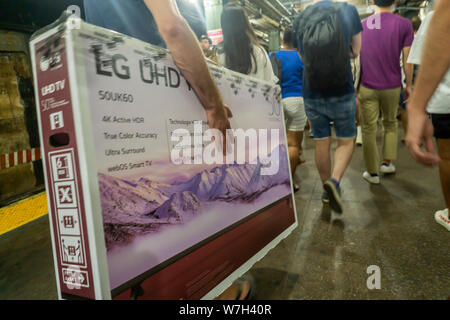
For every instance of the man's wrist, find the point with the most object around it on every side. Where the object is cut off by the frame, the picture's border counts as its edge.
(214, 106)
(417, 108)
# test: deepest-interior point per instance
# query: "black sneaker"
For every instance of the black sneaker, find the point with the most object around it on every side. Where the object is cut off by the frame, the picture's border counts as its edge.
(334, 194)
(325, 198)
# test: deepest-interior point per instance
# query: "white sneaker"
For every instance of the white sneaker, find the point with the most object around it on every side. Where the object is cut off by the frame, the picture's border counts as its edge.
(359, 136)
(387, 169)
(442, 218)
(370, 178)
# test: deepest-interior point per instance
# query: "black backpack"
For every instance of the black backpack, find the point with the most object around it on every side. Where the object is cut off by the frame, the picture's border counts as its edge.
(320, 30)
(276, 66)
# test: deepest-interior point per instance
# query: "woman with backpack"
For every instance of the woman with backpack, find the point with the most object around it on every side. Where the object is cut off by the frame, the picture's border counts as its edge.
(291, 92)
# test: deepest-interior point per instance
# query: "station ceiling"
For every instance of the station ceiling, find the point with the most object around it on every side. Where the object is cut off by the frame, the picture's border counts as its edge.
(265, 15)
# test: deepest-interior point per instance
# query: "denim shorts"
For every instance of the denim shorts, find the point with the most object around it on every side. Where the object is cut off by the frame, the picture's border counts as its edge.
(340, 110)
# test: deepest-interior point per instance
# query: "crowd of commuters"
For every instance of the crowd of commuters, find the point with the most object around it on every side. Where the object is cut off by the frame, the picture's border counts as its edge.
(379, 82)
(389, 51)
(340, 79)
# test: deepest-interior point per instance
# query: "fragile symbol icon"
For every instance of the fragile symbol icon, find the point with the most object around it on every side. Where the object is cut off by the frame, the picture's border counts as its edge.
(72, 250)
(66, 194)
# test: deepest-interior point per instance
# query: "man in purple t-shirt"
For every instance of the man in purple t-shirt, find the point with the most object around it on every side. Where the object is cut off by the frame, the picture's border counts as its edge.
(385, 37)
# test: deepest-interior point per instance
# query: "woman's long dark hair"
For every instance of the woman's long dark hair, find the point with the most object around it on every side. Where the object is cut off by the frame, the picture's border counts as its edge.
(239, 39)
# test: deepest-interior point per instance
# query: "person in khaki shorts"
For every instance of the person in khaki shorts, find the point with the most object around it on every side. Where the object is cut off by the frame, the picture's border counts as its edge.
(384, 38)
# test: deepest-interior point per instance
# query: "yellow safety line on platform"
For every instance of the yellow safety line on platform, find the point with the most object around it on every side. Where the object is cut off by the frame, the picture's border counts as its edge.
(22, 212)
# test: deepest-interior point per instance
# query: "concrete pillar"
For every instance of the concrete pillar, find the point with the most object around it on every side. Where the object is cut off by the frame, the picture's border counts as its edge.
(15, 110)
(213, 10)
(274, 40)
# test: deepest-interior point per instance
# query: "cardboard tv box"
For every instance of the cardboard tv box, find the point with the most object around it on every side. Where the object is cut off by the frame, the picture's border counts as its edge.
(124, 217)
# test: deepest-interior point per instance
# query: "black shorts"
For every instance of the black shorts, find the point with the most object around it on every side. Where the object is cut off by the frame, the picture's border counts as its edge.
(441, 124)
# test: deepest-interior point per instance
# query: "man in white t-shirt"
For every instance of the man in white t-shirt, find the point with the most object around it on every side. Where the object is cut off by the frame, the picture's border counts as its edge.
(431, 49)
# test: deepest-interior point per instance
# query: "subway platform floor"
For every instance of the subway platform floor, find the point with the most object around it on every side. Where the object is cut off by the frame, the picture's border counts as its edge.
(390, 226)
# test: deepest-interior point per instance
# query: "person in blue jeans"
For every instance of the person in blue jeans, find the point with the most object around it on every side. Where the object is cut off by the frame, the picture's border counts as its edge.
(292, 100)
(338, 106)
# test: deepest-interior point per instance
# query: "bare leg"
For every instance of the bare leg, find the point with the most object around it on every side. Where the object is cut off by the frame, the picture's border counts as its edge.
(444, 167)
(308, 125)
(232, 293)
(300, 150)
(342, 157)
(293, 138)
(323, 158)
(309, 128)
